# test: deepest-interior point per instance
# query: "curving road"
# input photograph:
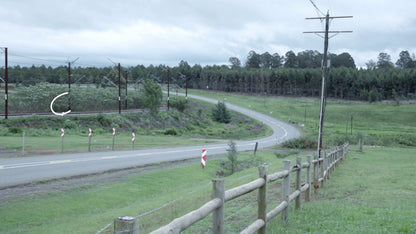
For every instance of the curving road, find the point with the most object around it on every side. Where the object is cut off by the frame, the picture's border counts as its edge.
(18, 171)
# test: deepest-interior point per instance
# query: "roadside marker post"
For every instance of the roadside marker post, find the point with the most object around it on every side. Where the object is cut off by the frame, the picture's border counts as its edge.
(89, 139)
(23, 143)
(204, 158)
(62, 136)
(114, 138)
(133, 137)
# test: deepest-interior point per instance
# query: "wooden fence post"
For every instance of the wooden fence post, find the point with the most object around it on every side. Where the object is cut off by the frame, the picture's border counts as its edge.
(316, 174)
(361, 142)
(329, 166)
(126, 224)
(286, 191)
(262, 199)
(308, 179)
(298, 182)
(218, 214)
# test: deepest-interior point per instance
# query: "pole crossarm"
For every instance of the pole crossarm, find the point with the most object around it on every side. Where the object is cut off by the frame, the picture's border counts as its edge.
(330, 17)
(328, 32)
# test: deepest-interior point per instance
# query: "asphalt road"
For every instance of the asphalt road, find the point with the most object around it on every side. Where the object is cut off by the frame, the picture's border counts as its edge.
(18, 171)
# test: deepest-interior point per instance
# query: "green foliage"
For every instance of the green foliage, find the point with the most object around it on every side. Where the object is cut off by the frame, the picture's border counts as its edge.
(37, 99)
(220, 113)
(179, 103)
(232, 155)
(152, 96)
(171, 131)
(300, 143)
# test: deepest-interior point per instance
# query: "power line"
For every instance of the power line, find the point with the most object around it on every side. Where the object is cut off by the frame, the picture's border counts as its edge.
(39, 59)
(316, 8)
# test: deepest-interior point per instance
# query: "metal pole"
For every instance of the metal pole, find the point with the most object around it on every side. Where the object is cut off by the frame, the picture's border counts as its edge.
(119, 89)
(6, 87)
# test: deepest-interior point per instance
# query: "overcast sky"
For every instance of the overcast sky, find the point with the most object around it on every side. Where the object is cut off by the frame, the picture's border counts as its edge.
(201, 32)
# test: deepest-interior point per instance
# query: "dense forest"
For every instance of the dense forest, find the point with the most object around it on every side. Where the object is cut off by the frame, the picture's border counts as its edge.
(266, 74)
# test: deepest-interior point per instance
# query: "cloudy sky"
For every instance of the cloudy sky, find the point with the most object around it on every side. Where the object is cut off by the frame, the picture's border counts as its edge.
(203, 32)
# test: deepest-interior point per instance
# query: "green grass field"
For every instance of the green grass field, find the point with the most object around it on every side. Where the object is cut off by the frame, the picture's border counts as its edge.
(370, 192)
(380, 123)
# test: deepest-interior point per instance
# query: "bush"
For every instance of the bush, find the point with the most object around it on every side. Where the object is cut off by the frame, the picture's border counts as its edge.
(300, 143)
(15, 130)
(221, 114)
(171, 131)
(180, 104)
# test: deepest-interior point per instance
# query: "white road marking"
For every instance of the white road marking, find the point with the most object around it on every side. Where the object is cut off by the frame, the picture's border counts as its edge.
(60, 161)
(109, 157)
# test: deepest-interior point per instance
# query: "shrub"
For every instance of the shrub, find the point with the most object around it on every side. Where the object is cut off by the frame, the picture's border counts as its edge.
(171, 131)
(300, 143)
(15, 130)
(180, 104)
(221, 114)
(232, 156)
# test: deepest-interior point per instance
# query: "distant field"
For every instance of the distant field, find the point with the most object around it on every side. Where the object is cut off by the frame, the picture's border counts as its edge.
(381, 123)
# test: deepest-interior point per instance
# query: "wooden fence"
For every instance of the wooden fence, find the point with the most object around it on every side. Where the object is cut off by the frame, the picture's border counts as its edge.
(321, 167)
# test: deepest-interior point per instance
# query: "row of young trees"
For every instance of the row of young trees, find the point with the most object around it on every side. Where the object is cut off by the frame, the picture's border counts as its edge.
(275, 75)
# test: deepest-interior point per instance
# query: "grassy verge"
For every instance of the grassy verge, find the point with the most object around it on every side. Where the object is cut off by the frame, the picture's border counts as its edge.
(373, 192)
(370, 192)
(77, 144)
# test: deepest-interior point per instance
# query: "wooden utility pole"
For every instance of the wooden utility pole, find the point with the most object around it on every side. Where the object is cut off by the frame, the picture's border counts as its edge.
(168, 86)
(127, 74)
(69, 83)
(6, 87)
(119, 88)
(325, 66)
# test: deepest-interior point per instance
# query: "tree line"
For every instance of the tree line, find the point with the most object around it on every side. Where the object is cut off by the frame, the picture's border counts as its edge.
(262, 74)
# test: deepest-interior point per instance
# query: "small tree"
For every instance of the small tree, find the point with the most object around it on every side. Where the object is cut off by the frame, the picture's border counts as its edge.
(232, 156)
(221, 114)
(152, 96)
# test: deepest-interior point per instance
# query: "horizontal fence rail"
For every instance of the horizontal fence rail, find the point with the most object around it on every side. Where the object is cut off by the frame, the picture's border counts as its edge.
(320, 167)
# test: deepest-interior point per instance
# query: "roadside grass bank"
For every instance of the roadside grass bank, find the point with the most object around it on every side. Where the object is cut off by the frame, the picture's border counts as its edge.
(191, 126)
(88, 208)
(370, 192)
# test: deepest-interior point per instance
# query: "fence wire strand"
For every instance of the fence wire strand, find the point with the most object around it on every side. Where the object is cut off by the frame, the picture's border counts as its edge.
(159, 208)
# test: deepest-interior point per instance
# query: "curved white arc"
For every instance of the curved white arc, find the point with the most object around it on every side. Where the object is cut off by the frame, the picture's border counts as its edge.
(53, 100)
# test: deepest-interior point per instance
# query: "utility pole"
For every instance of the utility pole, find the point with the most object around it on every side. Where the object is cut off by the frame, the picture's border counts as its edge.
(168, 85)
(325, 67)
(119, 88)
(186, 84)
(69, 83)
(6, 87)
(127, 74)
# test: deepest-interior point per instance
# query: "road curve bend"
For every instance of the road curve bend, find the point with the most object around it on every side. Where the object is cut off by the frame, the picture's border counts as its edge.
(19, 171)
